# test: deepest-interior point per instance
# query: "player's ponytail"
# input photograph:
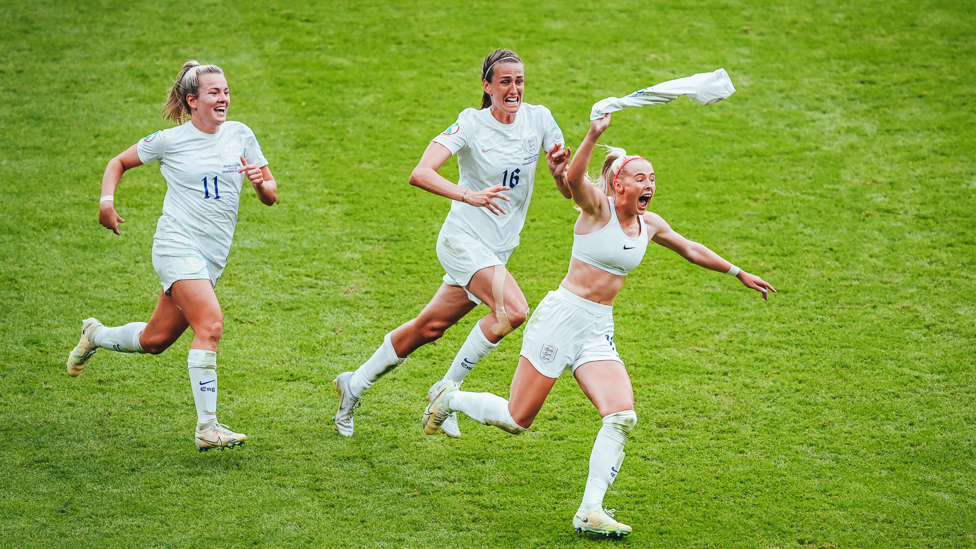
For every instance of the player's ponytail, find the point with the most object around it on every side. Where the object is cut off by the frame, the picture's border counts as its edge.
(487, 69)
(615, 159)
(177, 108)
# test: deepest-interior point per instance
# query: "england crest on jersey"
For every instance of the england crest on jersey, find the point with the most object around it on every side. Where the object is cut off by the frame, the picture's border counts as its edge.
(531, 145)
(548, 353)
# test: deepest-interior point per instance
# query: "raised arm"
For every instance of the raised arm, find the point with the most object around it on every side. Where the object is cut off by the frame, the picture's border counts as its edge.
(107, 216)
(426, 177)
(661, 233)
(586, 196)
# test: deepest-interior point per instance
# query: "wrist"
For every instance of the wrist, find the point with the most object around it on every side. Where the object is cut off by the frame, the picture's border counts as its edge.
(734, 271)
(464, 196)
(107, 198)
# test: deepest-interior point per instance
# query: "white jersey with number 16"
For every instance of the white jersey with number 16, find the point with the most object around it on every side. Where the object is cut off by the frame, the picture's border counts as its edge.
(203, 188)
(491, 153)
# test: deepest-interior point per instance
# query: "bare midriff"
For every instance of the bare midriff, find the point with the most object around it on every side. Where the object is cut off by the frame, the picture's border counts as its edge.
(592, 283)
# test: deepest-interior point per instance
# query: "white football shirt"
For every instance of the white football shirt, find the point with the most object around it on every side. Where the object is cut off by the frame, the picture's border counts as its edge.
(203, 188)
(491, 153)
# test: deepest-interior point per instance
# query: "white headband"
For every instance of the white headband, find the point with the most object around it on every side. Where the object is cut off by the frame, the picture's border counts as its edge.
(485, 76)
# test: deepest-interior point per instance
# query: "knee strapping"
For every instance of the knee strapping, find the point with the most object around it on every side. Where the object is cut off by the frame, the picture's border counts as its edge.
(503, 327)
(507, 424)
(621, 422)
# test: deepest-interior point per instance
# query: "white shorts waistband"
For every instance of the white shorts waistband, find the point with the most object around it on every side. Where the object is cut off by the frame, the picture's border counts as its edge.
(583, 303)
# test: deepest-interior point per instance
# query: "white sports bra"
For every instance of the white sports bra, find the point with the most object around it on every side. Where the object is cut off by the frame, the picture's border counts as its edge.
(609, 248)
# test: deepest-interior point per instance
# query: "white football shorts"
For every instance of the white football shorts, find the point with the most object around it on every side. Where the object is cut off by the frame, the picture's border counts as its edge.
(567, 331)
(462, 255)
(176, 261)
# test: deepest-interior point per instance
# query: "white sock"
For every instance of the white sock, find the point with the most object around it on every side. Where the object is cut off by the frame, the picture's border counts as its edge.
(485, 408)
(475, 348)
(203, 381)
(384, 360)
(124, 339)
(605, 460)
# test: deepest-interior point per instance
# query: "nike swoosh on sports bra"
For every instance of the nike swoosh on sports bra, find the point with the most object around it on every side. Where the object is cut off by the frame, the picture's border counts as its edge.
(609, 248)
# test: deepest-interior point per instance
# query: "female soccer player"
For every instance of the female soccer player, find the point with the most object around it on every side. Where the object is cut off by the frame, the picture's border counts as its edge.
(573, 326)
(202, 163)
(498, 150)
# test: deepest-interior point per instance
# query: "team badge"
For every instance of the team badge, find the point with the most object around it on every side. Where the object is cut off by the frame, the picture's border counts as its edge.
(229, 154)
(548, 353)
(455, 127)
(531, 145)
(152, 136)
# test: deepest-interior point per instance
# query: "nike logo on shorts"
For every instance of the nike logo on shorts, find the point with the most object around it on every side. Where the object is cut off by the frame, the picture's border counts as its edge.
(630, 248)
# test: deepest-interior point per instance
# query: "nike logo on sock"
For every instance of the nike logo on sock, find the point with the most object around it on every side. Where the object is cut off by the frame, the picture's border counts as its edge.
(206, 382)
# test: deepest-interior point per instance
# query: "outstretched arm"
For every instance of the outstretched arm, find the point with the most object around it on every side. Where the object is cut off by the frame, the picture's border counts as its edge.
(661, 233)
(586, 196)
(107, 216)
(426, 177)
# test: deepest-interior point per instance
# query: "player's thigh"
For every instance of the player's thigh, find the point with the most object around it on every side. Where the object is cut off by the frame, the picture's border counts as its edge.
(198, 302)
(449, 305)
(529, 392)
(485, 286)
(166, 324)
(607, 384)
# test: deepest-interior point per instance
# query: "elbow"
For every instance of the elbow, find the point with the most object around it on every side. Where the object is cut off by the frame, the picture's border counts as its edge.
(415, 177)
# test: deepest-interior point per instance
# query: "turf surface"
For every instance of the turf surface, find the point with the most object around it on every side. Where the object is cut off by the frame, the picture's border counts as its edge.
(840, 414)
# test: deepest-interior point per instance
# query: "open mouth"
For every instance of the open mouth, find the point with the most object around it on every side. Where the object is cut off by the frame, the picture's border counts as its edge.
(513, 101)
(221, 109)
(644, 200)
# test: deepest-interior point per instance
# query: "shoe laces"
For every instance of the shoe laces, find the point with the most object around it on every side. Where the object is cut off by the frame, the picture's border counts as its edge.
(609, 512)
(222, 429)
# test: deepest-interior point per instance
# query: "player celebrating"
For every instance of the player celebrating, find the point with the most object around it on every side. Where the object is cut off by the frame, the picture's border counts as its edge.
(202, 163)
(573, 326)
(498, 150)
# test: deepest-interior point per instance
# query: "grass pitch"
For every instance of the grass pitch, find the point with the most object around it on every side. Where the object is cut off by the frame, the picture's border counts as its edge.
(840, 414)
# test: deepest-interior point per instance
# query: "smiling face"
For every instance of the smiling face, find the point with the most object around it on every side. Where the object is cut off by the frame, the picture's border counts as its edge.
(634, 186)
(505, 89)
(208, 107)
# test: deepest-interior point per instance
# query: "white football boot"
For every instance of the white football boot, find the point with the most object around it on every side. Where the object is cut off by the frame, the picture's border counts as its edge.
(79, 356)
(450, 425)
(347, 405)
(600, 521)
(217, 435)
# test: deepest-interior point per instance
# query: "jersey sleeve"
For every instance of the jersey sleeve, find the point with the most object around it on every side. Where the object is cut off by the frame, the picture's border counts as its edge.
(551, 132)
(456, 136)
(152, 147)
(252, 150)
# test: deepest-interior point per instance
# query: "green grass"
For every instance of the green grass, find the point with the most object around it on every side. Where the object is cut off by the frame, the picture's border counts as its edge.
(840, 414)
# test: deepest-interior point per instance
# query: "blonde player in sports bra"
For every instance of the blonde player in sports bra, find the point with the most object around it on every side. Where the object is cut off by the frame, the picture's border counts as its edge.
(572, 329)
(498, 149)
(203, 163)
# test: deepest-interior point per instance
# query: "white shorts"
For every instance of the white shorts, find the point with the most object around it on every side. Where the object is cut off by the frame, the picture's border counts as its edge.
(567, 331)
(462, 255)
(176, 261)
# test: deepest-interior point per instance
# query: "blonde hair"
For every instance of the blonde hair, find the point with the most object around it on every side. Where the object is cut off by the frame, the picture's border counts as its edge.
(177, 109)
(616, 157)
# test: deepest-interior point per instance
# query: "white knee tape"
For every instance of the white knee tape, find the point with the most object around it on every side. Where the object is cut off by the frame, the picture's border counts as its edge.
(503, 326)
(621, 422)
